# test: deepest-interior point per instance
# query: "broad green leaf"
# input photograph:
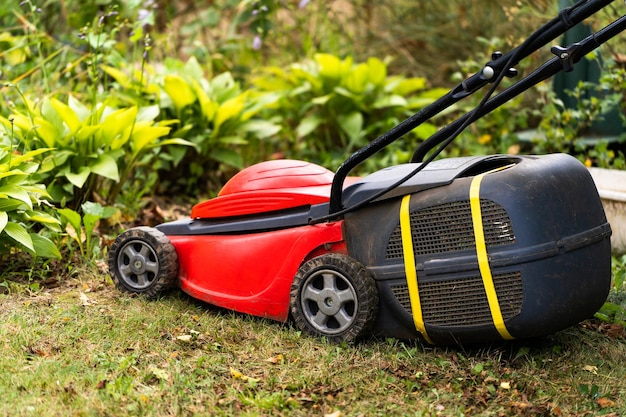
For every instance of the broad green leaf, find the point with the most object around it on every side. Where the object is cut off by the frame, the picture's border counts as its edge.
(5, 155)
(425, 130)
(177, 153)
(352, 125)
(15, 56)
(98, 210)
(208, 106)
(308, 125)
(223, 87)
(148, 113)
(41, 217)
(390, 101)
(303, 89)
(4, 219)
(44, 247)
(9, 204)
(79, 178)
(18, 159)
(55, 160)
(352, 95)
(85, 132)
(273, 79)
(407, 86)
(167, 123)
(72, 217)
(18, 233)
(82, 111)
(21, 122)
(38, 190)
(434, 93)
(230, 109)
(228, 157)
(117, 75)
(89, 221)
(94, 209)
(192, 69)
(232, 140)
(21, 176)
(145, 135)
(17, 193)
(67, 115)
(421, 102)
(29, 167)
(377, 71)
(358, 79)
(322, 99)
(261, 128)
(47, 132)
(50, 114)
(106, 166)
(174, 141)
(116, 127)
(330, 66)
(179, 91)
(257, 103)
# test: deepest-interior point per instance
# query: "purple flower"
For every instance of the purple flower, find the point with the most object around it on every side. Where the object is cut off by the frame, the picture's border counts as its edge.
(143, 14)
(256, 43)
(303, 4)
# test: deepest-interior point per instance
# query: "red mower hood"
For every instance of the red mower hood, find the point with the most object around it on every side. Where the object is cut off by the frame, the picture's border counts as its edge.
(270, 186)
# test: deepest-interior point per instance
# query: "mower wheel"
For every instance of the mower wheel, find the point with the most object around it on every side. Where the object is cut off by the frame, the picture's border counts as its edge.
(142, 260)
(334, 296)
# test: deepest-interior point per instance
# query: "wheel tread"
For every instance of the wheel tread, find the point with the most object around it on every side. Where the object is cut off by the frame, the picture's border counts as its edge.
(166, 255)
(361, 280)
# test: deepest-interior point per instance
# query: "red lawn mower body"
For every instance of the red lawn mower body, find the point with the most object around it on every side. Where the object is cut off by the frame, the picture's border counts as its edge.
(253, 272)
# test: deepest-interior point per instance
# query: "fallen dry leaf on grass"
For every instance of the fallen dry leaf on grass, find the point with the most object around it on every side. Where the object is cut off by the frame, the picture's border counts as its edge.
(591, 368)
(238, 375)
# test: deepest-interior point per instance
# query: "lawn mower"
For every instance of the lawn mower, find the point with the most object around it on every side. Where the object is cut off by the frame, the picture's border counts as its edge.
(457, 250)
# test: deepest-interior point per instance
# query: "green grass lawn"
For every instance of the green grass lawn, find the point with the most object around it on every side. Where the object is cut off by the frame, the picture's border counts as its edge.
(84, 349)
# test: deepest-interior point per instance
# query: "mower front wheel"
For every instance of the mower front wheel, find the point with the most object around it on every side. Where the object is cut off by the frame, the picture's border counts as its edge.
(142, 260)
(334, 296)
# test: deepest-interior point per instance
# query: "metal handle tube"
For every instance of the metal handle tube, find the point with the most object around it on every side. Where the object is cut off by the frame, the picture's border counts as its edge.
(548, 32)
(547, 70)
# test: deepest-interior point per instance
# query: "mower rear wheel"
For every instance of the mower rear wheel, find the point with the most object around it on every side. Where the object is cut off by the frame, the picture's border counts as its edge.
(334, 296)
(142, 260)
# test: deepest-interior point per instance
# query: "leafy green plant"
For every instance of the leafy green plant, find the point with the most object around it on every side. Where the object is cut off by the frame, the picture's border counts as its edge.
(330, 105)
(603, 155)
(614, 310)
(93, 147)
(23, 217)
(560, 128)
(81, 228)
(219, 117)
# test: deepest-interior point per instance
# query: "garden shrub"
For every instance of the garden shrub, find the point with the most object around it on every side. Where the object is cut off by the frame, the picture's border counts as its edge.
(330, 107)
(24, 218)
(94, 149)
(222, 119)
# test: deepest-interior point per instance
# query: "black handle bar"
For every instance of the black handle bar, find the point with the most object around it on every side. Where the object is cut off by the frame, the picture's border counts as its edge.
(564, 61)
(494, 70)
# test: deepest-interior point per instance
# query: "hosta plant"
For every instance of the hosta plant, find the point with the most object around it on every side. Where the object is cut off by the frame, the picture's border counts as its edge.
(24, 219)
(96, 148)
(222, 119)
(329, 104)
